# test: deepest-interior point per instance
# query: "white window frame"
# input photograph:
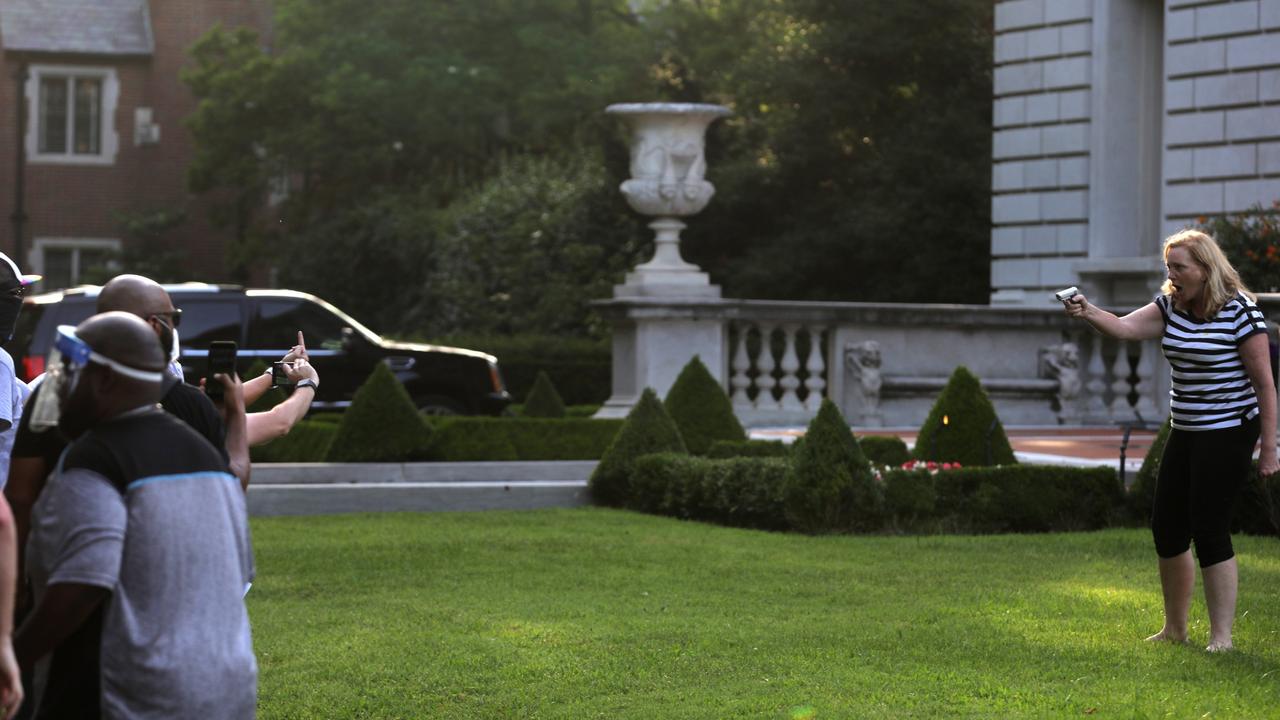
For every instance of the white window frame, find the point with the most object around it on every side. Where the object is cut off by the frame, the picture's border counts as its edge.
(110, 139)
(40, 245)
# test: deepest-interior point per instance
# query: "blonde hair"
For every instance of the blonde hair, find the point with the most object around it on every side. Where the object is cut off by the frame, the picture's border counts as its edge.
(1221, 282)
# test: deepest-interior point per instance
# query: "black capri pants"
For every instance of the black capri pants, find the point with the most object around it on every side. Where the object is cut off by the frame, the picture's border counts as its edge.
(1201, 476)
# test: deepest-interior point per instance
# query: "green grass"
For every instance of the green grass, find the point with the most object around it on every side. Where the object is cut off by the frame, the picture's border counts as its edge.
(604, 614)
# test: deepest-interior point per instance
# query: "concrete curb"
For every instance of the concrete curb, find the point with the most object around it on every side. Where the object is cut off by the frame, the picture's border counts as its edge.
(330, 488)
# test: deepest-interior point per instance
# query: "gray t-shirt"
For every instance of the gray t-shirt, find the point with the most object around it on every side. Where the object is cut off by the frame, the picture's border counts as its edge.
(13, 392)
(174, 551)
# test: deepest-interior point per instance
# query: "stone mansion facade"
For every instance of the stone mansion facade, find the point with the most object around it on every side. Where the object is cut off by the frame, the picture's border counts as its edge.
(1117, 122)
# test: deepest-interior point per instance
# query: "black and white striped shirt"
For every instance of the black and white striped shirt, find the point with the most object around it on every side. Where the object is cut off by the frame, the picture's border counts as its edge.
(1211, 389)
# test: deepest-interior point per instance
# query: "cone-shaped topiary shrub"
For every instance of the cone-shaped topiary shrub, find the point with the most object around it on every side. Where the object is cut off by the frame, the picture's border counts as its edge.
(382, 424)
(1142, 494)
(268, 399)
(961, 424)
(701, 409)
(543, 401)
(830, 487)
(648, 429)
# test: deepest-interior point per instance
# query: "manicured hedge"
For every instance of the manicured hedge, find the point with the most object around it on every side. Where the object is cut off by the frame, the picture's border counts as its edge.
(485, 438)
(740, 492)
(580, 368)
(963, 427)
(830, 486)
(1030, 498)
(307, 441)
(884, 450)
(647, 430)
(701, 410)
(381, 425)
(722, 449)
(750, 492)
(544, 400)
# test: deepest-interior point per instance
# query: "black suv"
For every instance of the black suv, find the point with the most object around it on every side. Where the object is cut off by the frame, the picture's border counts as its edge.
(265, 324)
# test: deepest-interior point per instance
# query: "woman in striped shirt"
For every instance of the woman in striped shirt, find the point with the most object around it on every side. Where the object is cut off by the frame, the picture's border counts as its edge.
(1223, 400)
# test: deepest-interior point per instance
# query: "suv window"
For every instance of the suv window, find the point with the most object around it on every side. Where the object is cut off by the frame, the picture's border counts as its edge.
(206, 320)
(280, 319)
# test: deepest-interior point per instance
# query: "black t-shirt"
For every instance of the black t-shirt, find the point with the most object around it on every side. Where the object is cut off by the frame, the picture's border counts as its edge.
(185, 402)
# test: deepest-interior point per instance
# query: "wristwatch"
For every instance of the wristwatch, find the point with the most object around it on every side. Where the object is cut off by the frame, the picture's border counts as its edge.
(308, 382)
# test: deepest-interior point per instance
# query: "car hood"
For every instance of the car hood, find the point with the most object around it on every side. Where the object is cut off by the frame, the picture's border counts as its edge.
(405, 347)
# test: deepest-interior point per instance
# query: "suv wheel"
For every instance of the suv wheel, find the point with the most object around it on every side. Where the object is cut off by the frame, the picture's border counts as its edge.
(437, 405)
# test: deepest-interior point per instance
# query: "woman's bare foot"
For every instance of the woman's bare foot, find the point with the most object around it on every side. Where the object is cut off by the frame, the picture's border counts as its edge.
(1220, 646)
(1167, 635)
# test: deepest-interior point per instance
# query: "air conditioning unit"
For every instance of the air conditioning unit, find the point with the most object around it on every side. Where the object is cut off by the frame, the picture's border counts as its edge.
(145, 132)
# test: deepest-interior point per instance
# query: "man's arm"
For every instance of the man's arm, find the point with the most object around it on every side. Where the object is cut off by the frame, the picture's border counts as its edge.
(233, 417)
(63, 609)
(10, 676)
(254, 388)
(27, 476)
(266, 426)
(80, 547)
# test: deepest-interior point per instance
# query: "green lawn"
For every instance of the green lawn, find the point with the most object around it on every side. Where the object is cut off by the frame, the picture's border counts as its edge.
(603, 614)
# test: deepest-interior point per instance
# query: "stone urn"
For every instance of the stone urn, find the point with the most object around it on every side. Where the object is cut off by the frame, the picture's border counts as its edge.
(667, 168)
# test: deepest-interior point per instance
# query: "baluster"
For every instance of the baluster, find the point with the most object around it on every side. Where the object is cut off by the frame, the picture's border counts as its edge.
(740, 381)
(1146, 386)
(790, 366)
(1120, 408)
(1096, 386)
(815, 365)
(765, 365)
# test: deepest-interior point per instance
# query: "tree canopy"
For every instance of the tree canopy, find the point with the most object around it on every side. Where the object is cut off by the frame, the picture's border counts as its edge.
(419, 137)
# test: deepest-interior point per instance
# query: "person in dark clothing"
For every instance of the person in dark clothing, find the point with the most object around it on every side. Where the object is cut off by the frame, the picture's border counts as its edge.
(140, 534)
(37, 449)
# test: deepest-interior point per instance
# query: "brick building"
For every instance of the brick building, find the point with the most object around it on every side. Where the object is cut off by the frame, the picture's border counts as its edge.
(1118, 122)
(102, 106)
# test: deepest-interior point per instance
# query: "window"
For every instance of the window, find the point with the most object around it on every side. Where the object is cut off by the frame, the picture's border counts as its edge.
(279, 321)
(207, 319)
(67, 262)
(72, 114)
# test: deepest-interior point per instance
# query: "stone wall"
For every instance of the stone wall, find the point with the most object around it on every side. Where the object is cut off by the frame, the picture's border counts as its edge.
(1117, 122)
(1040, 169)
(1222, 132)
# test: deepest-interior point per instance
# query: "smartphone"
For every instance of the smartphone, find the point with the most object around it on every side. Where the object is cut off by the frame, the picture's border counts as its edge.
(222, 359)
(279, 378)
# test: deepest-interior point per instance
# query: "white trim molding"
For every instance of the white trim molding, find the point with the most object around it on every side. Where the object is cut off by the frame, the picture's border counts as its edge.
(109, 138)
(40, 245)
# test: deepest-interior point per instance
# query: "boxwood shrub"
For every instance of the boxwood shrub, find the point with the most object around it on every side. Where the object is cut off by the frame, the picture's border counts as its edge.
(486, 438)
(884, 450)
(647, 430)
(1027, 498)
(829, 486)
(750, 492)
(721, 449)
(544, 400)
(382, 424)
(307, 441)
(701, 409)
(740, 492)
(961, 424)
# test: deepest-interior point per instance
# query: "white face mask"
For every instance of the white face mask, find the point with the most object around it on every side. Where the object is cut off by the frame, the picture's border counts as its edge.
(174, 349)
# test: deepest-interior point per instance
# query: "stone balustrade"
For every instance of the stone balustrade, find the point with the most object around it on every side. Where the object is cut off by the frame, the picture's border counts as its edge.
(884, 364)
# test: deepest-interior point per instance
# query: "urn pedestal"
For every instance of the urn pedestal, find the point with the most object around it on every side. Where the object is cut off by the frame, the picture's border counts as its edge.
(658, 313)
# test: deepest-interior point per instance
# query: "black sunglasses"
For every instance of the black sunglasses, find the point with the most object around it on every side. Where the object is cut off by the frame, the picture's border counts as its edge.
(175, 317)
